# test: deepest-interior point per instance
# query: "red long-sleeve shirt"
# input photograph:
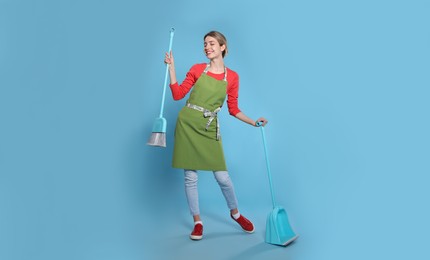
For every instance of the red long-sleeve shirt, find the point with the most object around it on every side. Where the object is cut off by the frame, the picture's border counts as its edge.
(180, 91)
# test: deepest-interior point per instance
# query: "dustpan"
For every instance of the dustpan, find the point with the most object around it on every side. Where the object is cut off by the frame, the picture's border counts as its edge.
(278, 228)
(158, 136)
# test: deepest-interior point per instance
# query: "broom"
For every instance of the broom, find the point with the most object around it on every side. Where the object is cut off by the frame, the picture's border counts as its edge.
(158, 136)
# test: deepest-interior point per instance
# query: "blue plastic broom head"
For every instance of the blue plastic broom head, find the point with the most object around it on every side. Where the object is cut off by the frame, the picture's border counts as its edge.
(160, 125)
(158, 136)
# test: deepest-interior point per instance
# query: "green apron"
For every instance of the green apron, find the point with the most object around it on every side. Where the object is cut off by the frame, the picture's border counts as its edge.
(198, 145)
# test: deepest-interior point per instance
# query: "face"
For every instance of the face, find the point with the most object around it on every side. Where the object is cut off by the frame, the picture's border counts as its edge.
(212, 48)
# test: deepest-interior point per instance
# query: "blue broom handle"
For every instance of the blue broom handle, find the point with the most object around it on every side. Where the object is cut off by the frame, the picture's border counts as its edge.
(172, 32)
(267, 163)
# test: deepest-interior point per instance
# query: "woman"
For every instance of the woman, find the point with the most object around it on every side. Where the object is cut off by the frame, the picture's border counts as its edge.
(198, 143)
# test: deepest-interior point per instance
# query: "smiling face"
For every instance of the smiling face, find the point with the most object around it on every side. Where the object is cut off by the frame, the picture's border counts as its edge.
(214, 43)
(212, 48)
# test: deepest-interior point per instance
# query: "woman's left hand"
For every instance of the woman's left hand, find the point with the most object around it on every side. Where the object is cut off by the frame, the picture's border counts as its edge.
(262, 120)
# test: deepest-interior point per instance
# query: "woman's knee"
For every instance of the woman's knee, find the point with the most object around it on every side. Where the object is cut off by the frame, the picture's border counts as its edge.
(223, 178)
(191, 177)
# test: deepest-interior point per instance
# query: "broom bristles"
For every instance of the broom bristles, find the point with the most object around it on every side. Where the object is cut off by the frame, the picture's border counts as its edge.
(157, 139)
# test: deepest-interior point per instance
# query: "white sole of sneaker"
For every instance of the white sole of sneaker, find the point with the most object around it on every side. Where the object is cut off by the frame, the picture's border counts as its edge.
(249, 232)
(196, 237)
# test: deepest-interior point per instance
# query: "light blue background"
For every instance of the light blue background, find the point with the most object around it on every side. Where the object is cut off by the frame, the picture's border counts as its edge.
(345, 85)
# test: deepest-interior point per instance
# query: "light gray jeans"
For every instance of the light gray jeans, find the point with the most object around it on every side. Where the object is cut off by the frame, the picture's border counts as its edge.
(224, 182)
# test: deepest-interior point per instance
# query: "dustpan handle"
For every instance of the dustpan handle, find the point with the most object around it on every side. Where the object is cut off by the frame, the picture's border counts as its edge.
(259, 124)
(172, 32)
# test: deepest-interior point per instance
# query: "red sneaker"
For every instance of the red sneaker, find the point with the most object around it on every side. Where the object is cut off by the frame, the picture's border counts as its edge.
(197, 233)
(246, 225)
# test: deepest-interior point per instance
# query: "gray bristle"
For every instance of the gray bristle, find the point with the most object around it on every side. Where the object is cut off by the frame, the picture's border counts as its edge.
(157, 139)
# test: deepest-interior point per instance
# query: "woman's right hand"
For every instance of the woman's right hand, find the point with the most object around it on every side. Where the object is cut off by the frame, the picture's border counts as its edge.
(168, 59)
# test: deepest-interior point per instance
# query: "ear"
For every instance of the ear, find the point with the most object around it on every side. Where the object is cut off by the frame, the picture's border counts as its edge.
(223, 47)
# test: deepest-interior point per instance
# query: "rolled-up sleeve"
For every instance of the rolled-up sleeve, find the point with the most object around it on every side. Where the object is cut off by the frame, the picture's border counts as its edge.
(180, 91)
(233, 95)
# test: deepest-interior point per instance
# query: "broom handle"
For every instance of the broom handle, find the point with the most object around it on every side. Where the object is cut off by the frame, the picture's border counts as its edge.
(172, 32)
(267, 163)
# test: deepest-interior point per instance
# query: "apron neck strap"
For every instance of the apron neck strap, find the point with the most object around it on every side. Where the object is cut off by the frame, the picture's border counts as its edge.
(225, 71)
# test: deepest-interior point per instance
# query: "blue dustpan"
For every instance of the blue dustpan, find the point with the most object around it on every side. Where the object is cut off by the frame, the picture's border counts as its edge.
(278, 228)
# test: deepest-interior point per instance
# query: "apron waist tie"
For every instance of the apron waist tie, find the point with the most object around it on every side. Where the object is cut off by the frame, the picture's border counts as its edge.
(207, 113)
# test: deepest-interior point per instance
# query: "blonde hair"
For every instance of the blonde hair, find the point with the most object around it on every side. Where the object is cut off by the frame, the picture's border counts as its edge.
(220, 39)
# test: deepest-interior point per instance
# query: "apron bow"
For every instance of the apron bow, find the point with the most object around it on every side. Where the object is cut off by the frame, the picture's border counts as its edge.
(207, 113)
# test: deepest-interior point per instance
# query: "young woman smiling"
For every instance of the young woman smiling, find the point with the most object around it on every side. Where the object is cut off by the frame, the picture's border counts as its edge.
(197, 144)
